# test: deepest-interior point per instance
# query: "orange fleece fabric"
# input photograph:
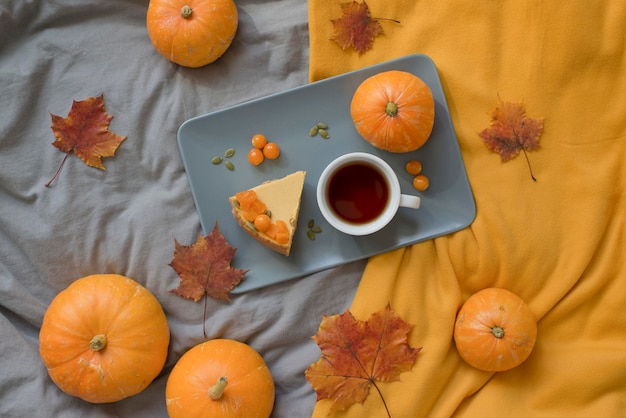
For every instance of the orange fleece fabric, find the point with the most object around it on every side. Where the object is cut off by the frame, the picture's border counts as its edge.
(559, 242)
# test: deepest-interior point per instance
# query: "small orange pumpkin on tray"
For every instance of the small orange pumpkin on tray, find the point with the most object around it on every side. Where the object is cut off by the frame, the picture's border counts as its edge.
(495, 330)
(393, 110)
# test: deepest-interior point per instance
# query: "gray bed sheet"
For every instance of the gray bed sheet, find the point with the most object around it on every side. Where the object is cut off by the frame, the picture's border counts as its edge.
(124, 220)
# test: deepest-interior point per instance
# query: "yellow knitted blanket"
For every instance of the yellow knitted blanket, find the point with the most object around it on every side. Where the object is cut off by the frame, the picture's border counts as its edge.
(559, 242)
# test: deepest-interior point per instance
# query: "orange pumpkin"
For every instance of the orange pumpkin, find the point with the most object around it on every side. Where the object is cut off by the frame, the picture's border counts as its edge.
(220, 378)
(192, 33)
(394, 111)
(495, 330)
(104, 338)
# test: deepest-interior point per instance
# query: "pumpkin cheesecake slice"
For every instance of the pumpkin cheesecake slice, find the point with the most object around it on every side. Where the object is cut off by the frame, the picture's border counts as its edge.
(269, 211)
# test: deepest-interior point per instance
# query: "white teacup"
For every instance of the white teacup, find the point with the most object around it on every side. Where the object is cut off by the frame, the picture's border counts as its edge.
(359, 193)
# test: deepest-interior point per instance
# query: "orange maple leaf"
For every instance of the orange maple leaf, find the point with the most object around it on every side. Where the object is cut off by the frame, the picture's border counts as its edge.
(356, 354)
(355, 28)
(510, 131)
(204, 267)
(85, 131)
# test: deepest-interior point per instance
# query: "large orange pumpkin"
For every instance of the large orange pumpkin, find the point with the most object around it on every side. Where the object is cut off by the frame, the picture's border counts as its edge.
(104, 338)
(495, 330)
(220, 378)
(393, 110)
(192, 33)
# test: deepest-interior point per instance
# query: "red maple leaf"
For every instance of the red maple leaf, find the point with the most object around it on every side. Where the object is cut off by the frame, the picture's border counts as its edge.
(356, 354)
(204, 267)
(510, 131)
(85, 131)
(355, 28)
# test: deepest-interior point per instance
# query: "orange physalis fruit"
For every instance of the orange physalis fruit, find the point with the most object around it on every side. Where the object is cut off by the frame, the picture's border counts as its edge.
(259, 141)
(413, 167)
(282, 238)
(271, 151)
(282, 226)
(246, 199)
(250, 215)
(262, 223)
(282, 234)
(255, 156)
(272, 231)
(258, 206)
(421, 182)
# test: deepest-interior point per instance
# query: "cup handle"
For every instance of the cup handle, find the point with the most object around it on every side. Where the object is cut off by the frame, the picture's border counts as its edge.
(409, 201)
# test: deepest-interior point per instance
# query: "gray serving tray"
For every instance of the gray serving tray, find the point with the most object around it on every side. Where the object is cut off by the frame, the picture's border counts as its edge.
(285, 118)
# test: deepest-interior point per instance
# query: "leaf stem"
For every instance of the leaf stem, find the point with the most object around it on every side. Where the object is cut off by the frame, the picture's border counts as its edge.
(382, 398)
(58, 170)
(529, 167)
(206, 297)
(386, 18)
(204, 317)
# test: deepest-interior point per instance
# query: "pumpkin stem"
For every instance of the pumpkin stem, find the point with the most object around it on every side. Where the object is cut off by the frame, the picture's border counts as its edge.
(98, 342)
(391, 109)
(185, 11)
(497, 331)
(216, 391)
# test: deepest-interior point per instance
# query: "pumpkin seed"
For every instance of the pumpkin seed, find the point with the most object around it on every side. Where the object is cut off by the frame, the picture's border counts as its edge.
(313, 131)
(229, 165)
(322, 125)
(216, 160)
(310, 224)
(316, 229)
(237, 204)
(251, 225)
(268, 213)
(324, 133)
(229, 152)
(311, 235)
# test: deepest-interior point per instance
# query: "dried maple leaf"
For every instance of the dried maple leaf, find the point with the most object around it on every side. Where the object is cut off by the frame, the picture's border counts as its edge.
(510, 131)
(355, 28)
(85, 131)
(356, 354)
(204, 267)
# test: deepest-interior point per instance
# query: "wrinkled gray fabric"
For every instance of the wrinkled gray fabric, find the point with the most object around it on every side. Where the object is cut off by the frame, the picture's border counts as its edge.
(124, 220)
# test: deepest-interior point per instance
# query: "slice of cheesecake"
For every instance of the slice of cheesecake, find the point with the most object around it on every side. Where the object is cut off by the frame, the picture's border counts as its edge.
(278, 200)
